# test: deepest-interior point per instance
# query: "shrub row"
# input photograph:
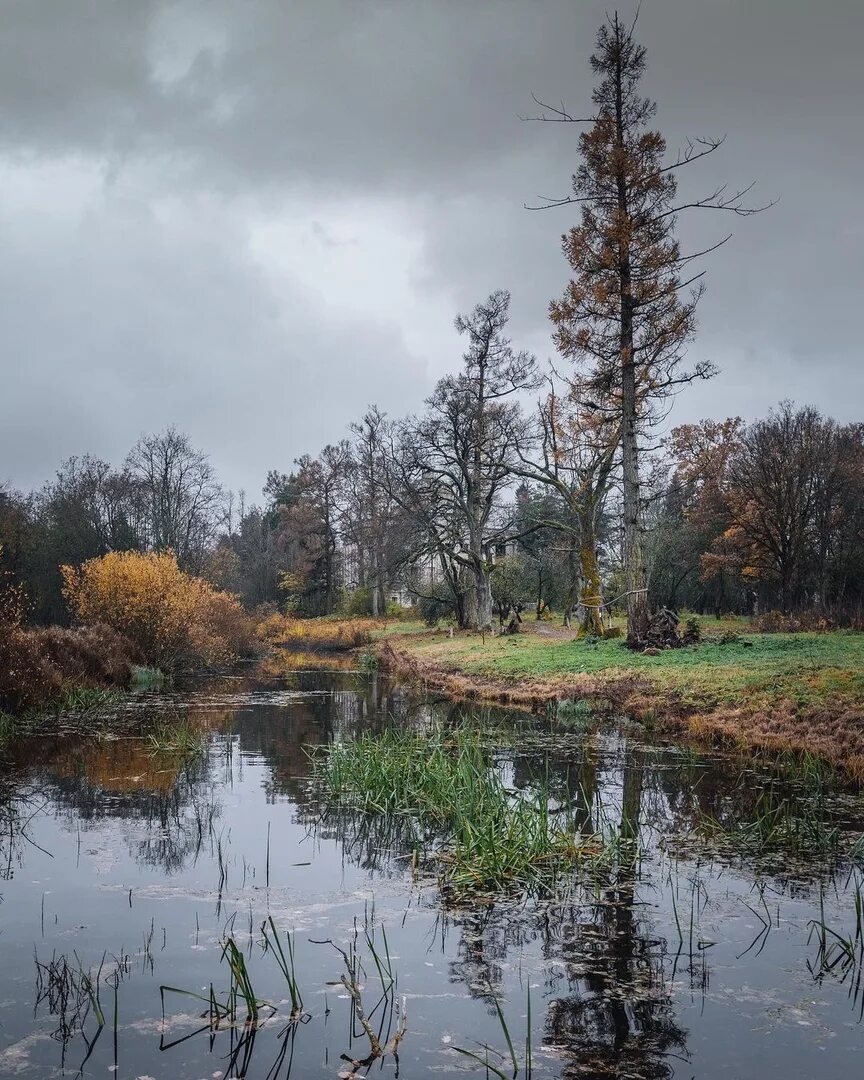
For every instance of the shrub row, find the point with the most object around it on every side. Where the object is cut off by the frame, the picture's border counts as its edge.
(132, 609)
(778, 622)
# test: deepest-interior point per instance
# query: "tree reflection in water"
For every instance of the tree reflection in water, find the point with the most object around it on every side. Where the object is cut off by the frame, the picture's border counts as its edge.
(166, 806)
(606, 973)
(19, 807)
(617, 1018)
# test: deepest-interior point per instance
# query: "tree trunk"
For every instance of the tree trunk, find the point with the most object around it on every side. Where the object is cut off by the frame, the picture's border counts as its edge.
(591, 596)
(468, 583)
(572, 584)
(483, 596)
(455, 578)
(591, 593)
(634, 564)
(786, 579)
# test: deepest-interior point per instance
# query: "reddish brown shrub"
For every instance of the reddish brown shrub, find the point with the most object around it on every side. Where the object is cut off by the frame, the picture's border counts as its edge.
(223, 631)
(88, 655)
(38, 666)
(27, 678)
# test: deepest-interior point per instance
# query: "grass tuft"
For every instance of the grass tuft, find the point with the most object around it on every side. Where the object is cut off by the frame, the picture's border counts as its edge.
(444, 790)
(147, 678)
(177, 736)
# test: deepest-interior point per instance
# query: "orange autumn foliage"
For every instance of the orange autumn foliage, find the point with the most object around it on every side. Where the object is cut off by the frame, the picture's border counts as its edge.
(40, 666)
(176, 620)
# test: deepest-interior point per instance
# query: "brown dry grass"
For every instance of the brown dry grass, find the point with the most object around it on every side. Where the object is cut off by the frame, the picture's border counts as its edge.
(317, 635)
(533, 693)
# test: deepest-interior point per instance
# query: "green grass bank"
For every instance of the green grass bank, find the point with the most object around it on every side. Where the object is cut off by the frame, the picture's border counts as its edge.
(781, 692)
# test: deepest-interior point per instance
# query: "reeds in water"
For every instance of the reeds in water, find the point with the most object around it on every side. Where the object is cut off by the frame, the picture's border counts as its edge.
(510, 1059)
(444, 789)
(71, 994)
(378, 1022)
(779, 823)
(840, 953)
(176, 736)
(228, 1008)
(241, 994)
(273, 942)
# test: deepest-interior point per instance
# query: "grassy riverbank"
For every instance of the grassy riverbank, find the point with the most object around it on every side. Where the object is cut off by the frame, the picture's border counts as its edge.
(799, 692)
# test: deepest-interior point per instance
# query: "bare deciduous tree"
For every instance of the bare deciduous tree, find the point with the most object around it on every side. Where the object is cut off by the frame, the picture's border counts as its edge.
(450, 466)
(371, 519)
(572, 451)
(181, 500)
(780, 491)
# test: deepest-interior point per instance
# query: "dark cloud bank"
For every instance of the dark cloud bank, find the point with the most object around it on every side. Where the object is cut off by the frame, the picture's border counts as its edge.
(252, 219)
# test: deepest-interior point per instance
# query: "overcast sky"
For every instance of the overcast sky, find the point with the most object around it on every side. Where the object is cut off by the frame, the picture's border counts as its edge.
(253, 218)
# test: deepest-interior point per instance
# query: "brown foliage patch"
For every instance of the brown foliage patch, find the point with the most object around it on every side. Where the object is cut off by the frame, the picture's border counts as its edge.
(27, 679)
(37, 667)
(88, 655)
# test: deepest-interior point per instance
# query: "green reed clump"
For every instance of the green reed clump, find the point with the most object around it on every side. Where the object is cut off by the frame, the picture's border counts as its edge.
(444, 786)
(241, 993)
(779, 823)
(368, 661)
(272, 942)
(572, 712)
(176, 736)
(147, 678)
(86, 699)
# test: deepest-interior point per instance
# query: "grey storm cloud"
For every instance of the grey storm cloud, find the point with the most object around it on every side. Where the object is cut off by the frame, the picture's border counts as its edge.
(252, 219)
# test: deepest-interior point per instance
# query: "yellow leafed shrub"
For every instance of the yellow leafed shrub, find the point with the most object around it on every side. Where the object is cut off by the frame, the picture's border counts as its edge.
(176, 620)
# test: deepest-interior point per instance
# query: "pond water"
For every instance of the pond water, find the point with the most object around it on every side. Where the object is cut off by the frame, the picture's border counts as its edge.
(125, 870)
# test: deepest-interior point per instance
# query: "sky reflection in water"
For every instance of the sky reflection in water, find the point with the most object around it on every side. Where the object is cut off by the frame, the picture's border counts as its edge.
(682, 966)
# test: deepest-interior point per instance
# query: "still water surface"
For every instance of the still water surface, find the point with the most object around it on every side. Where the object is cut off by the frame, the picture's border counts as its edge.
(686, 965)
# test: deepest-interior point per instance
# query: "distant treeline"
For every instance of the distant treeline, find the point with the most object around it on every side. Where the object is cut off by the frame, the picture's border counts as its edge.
(476, 493)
